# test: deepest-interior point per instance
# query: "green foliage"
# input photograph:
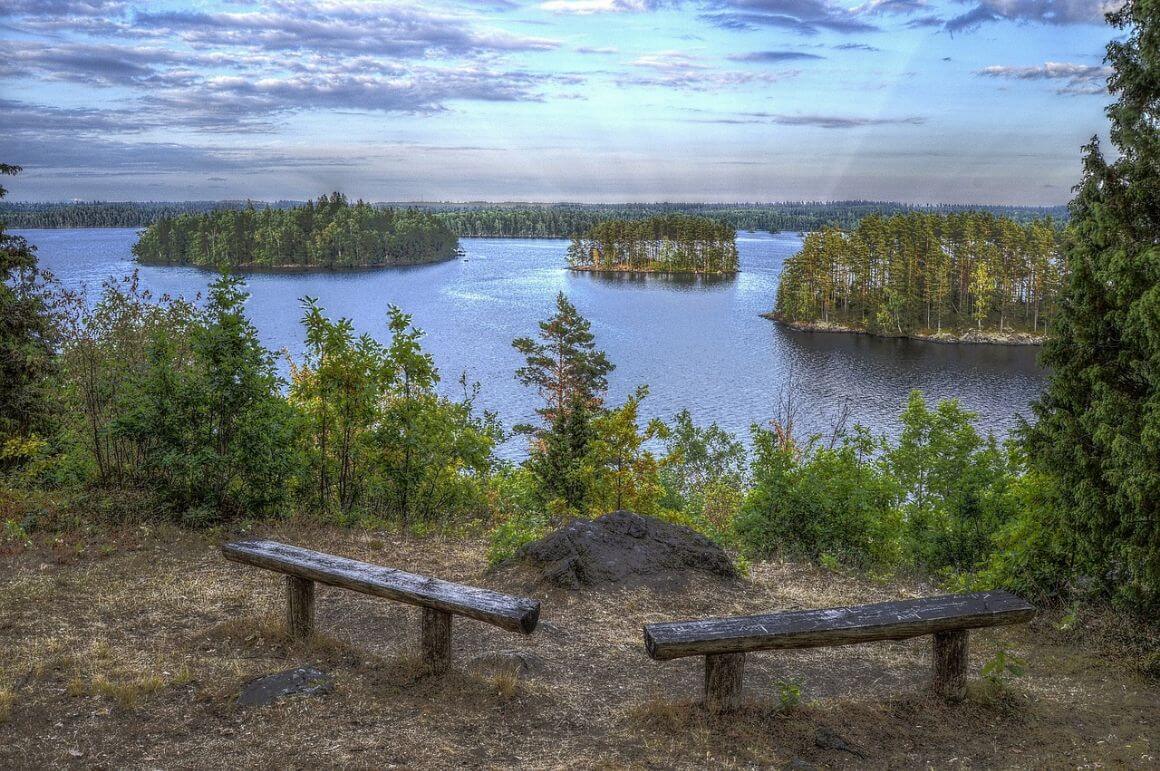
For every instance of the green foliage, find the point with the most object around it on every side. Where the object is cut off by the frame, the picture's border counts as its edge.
(933, 500)
(622, 473)
(1000, 668)
(104, 359)
(955, 485)
(571, 376)
(672, 243)
(208, 411)
(28, 336)
(834, 501)
(1097, 427)
(923, 273)
(506, 538)
(789, 695)
(328, 233)
(555, 220)
(379, 438)
(703, 476)
(564, 366)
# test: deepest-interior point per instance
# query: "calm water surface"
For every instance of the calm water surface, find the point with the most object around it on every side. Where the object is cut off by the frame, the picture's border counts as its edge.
(697, 344)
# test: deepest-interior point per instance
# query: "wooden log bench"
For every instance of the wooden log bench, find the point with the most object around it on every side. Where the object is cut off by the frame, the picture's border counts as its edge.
(440, 600)
(725, 641)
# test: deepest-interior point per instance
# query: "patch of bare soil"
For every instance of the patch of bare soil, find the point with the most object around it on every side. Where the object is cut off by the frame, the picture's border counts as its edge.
(130, 652)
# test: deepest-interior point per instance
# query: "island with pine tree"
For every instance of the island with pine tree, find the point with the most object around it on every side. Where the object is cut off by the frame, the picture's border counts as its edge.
(962, 277)
(328, 234)
(674, 243)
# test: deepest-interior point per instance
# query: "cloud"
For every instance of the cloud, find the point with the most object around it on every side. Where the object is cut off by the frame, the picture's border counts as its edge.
(1058, 12)
(925, 21)
(774, 56)
(586, 7)
(686, 72)
(1076, 78)
(814, 120)
(596, 50)
(61, 7)
(245, 70)
(71, 122)
(896, 7)
(381, 30)
(805, 17)
(855, 47)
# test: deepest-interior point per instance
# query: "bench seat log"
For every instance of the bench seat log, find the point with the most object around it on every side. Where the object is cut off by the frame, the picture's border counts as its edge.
(899, 620)
(725, 641)
(515, 614)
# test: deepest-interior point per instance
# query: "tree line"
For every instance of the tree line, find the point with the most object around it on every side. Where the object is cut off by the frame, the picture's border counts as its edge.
(919, 273)
(328, 233)
(519, 220)
(674, 243)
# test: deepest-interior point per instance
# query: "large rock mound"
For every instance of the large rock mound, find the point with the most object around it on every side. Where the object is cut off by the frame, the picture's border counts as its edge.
(624, 548)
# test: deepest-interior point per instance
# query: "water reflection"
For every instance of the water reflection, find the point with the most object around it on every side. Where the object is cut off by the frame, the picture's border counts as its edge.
(676, 281)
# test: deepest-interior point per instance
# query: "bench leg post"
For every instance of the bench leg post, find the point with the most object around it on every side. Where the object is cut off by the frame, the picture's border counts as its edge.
(436, 641)
(299, 607)
(723, 681)
(950, 664)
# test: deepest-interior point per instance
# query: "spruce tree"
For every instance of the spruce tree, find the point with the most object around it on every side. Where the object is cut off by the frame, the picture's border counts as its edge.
(1098, 423)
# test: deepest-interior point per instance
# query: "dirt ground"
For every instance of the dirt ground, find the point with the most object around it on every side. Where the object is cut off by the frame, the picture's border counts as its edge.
(129, 651)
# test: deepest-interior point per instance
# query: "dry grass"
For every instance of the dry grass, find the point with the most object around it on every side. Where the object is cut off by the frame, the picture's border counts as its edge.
(130, 653)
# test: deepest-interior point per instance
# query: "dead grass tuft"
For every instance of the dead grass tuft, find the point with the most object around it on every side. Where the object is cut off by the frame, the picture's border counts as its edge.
(7, 700)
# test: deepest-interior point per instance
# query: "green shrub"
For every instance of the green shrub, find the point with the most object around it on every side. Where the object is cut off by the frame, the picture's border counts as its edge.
(506, 539)
(824, 501)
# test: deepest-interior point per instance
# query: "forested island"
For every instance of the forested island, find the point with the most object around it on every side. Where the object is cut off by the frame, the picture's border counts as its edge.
(675, 243)
(516, 219)
(330, 233)
(969, 276)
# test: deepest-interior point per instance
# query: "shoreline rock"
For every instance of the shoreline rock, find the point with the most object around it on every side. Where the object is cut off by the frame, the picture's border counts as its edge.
(969, 337)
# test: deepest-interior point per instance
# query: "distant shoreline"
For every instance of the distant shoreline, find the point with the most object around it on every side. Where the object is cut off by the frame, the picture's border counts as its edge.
(974, 337)
(295, 268)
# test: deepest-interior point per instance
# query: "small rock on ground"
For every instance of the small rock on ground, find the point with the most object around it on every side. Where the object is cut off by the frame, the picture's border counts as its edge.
(302, 681)
(521, 664)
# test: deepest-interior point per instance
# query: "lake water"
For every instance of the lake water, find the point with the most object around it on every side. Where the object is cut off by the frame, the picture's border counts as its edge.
(699, 344)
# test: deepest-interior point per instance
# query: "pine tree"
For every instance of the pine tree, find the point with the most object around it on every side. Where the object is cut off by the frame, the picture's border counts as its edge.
(565, 366)
(1098, 423)
(571, 377)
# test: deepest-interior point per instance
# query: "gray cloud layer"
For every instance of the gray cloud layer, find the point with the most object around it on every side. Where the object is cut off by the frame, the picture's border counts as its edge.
(1076, 78)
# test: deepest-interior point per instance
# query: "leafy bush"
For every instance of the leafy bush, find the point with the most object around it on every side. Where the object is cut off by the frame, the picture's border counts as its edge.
(824, 501)
(953, 486)
(216, 432)
(379, 439)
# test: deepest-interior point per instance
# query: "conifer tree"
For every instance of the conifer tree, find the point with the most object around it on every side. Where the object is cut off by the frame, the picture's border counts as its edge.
(1098, 423)
(571, 376)
(27, 340)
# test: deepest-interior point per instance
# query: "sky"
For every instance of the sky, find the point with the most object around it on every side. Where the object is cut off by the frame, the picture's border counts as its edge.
(925, 101)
